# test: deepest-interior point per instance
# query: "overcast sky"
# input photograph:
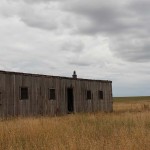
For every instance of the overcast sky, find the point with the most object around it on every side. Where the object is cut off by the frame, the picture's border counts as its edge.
(99, 39)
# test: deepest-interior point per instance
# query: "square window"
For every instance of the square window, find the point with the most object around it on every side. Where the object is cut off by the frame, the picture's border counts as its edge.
(24, 93)
(52, 94)
(89, 95)
(100, 94)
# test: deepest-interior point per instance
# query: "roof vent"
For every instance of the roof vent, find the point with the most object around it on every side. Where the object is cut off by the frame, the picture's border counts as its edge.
(74, 75)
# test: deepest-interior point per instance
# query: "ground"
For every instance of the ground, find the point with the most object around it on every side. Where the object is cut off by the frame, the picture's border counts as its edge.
(127, 128)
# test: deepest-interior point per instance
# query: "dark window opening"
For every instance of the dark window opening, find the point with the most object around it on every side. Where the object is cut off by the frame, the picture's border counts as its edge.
(52, 95)
(0, 98)
(70, 100)
(100, 94)
(89, 95)
(24, 93)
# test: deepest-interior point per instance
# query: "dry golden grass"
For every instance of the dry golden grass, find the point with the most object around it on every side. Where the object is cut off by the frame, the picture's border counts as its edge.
(127, 128)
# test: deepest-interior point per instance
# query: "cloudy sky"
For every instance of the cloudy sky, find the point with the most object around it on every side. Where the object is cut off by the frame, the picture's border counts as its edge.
(99, 39)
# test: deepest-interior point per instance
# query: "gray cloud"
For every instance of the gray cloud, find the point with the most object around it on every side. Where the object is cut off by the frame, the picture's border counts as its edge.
(38, 21)
(135, 49)
(75, 46)
(37, 1)
(41, 1)
(104, 17)
(122, 22)
(33, 1)
(140, 7)
(79, 63)
(44, 16)
(98, 39)
(126, 21)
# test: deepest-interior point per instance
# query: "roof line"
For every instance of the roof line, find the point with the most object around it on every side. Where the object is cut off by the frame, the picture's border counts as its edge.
(61, 77)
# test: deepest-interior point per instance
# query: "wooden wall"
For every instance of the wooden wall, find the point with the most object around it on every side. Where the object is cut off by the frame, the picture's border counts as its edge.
(38, 102)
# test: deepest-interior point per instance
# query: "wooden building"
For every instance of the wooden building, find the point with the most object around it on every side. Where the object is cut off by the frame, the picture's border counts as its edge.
(23, 94)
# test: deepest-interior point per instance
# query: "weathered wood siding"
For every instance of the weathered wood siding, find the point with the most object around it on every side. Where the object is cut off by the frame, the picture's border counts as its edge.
(38, 102)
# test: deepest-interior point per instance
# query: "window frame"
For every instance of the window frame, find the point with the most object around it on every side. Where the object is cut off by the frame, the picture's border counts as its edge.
(52, 94)
(21, 93)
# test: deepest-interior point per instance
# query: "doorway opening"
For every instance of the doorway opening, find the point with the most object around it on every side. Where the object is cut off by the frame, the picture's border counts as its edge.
(70, 100)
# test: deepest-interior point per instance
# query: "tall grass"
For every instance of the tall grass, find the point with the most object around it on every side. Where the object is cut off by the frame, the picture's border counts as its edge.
(127, 128)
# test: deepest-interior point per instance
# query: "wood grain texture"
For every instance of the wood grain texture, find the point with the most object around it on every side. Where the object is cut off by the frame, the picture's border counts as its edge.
(39, 103)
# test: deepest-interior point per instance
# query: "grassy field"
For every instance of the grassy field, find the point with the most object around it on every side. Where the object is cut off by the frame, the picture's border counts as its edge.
(131, 99)
(127, 128)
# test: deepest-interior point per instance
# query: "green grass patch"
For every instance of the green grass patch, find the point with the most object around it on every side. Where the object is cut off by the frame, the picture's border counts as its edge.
(131, 99)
